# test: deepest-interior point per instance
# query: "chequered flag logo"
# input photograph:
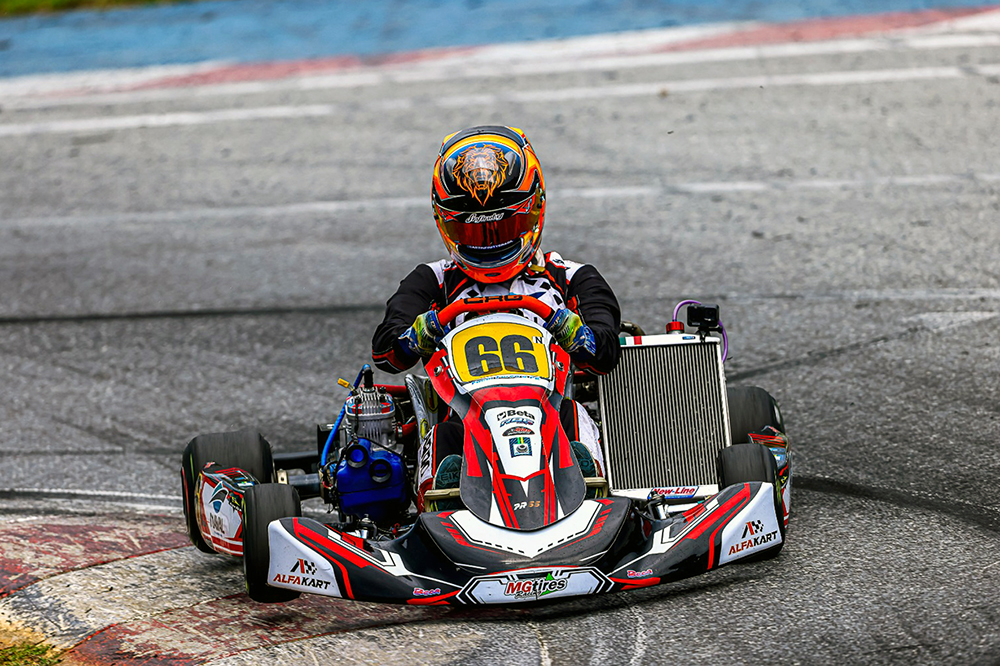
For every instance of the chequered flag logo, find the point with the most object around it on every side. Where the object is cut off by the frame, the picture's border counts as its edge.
(305, 567)
(752, 528)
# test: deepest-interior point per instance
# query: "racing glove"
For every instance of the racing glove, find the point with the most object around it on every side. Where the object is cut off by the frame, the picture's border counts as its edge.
(571, 333)
(422, 337)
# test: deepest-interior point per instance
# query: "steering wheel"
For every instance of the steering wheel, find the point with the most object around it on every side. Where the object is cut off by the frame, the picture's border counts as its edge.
(483, 304)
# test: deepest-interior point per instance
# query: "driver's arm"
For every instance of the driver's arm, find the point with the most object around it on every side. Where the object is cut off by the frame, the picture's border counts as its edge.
(418, 292)
(590, 295)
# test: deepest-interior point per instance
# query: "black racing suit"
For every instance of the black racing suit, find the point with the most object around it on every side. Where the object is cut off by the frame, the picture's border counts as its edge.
(558, 283)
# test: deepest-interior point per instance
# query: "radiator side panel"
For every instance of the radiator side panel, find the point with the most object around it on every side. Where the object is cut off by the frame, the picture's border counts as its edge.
(664, 415)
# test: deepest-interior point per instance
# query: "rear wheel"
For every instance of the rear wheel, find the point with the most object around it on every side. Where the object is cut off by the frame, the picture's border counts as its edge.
(243, 449)
(743, 463)
(751, 408)
(261, 505)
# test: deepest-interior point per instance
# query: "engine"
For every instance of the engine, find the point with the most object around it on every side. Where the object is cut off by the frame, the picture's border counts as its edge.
(370, 473)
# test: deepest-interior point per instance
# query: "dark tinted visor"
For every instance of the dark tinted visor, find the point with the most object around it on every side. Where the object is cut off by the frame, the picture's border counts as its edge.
(493, 256)
(488, 230)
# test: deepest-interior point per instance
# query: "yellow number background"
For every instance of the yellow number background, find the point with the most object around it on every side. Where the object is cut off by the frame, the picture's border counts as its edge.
(497, 332)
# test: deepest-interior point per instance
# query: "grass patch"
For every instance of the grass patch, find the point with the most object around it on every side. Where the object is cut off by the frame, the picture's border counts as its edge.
(21, 7)
(28, 654)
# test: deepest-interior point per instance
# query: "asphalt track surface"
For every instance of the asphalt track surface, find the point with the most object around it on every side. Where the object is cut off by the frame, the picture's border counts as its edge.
(221, 266)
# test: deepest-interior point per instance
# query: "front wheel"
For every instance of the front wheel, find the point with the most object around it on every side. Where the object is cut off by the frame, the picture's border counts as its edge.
(262, 504)
(744, 463)
(751, 408)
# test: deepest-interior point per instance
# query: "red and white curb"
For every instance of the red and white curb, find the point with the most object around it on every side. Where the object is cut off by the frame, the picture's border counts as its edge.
(726, 42)
(36, 548)
(130, 588)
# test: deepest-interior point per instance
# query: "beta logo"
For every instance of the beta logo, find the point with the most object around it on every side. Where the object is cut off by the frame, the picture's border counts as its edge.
(535, 587)
(522, 417)
(639, 574)
(421, 592)
(515, 412)
(753, 537)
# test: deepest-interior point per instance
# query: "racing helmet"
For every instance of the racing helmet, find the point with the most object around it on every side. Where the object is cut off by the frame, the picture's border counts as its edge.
(488, 196)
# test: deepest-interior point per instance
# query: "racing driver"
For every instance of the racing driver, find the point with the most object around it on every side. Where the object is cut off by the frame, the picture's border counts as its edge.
(488, 197)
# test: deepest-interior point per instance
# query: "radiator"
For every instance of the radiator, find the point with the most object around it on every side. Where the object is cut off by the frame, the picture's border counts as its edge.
(664, 414)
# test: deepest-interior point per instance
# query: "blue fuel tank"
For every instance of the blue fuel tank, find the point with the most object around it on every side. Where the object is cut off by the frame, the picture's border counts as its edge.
(371, 482)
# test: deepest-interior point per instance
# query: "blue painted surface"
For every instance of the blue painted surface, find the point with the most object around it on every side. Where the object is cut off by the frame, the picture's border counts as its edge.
(360, 495)
(264, 30)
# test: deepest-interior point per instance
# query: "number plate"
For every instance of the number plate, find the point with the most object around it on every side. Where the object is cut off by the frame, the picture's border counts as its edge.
(499, 350)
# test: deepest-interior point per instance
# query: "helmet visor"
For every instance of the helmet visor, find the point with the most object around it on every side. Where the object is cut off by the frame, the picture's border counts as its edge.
(487, 230)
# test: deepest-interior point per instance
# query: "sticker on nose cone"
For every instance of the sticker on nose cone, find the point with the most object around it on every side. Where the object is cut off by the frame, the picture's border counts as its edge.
(534, 585)
(753, 529)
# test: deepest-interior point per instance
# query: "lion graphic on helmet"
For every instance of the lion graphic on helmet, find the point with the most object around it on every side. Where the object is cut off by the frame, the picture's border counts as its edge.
(480, 170)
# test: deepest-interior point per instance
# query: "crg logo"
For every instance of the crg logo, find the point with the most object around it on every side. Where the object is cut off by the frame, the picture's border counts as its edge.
(503, 298)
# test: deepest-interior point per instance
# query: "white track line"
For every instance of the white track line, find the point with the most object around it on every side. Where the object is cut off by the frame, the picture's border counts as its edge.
(201, 215)
(152, 120)
(223, 214)
(706, 85)
(948, 320)
(180, 119)
(22, 519)
(38, 499)
(695, 57)
(943, 294)
(89, 493)
(41, 84)
(21, 93)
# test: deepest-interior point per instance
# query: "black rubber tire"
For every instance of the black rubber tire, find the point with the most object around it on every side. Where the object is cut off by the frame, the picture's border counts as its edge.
(262, 504)
(742, 463)
(244, 449)
(750, 409)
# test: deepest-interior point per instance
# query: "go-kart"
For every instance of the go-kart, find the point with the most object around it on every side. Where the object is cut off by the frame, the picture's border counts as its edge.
(696, 476)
